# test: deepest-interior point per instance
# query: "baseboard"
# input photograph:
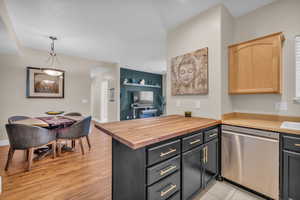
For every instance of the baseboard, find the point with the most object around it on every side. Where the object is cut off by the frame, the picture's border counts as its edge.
(4, 143)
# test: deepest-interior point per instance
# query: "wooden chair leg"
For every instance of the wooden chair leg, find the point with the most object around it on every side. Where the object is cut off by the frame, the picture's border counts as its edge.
(59, 148)
(9, 157)
(30, 158)
(81, 145)
(54, 149)
(73, 144)
(88, 141)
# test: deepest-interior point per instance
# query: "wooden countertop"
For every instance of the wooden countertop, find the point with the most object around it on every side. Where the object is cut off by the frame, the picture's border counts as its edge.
(143, 132)
(260, 121)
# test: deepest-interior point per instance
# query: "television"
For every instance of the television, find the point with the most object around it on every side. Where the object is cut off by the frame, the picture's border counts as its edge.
(143, 97)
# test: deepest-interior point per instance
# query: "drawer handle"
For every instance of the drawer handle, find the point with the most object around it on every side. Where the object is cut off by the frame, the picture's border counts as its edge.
(167, 153)
(163, 172)
(195, 141)
(163, 193)
(297, 145)
(213, 135)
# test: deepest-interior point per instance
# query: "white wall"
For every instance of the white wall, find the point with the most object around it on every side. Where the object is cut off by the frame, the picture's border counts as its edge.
(227, 24)
(199, 32)
(279, 16)
(13, 99)
(111, 74)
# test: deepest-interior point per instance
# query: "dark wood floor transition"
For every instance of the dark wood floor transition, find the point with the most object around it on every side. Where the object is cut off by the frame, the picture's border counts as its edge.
(71, 176)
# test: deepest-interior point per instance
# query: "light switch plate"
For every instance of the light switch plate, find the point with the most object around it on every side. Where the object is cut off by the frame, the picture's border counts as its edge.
(281, 106)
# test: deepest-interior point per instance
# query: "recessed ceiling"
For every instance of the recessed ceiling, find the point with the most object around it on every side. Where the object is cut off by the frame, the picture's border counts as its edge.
(131, 32)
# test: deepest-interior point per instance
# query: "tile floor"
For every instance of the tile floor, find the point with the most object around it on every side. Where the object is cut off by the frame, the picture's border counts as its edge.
(225, 191)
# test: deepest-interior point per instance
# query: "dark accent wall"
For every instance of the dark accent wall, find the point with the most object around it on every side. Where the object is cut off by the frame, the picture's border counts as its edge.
(125, 98)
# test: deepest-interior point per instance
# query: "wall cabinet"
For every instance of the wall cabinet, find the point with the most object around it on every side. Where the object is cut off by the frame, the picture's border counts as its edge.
(255, 66)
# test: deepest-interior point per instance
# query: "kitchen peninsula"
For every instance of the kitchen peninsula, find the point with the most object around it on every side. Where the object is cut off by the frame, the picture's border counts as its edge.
(171, 157)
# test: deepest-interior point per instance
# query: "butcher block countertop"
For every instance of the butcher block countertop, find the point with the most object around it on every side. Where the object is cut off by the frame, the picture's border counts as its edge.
(260, 121)
(143, 132)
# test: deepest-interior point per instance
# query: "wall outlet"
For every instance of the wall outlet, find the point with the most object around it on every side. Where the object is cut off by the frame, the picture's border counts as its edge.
(281, 106)
(84, 101)
(178, 103)
(197, 104)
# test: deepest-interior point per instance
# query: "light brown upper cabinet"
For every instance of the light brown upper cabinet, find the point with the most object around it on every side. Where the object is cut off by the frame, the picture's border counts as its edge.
(255, 66)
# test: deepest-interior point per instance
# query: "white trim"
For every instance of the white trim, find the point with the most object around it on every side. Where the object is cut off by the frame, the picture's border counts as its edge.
(4, 143)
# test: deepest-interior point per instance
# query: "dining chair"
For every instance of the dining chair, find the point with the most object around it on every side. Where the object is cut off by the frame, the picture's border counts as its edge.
(24, 137)
(75, 133)
(73, 114)
(16, 118)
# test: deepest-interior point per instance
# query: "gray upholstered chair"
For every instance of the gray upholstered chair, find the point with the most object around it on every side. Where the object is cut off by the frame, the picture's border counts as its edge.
(16, 118)
(24, 137)
(75, 132)
(73, 114)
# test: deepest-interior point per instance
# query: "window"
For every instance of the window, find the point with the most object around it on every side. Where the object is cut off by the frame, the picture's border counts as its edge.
(297, 44)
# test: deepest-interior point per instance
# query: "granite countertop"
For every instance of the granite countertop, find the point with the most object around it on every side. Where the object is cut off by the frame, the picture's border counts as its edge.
(143, 132)
(260, 121)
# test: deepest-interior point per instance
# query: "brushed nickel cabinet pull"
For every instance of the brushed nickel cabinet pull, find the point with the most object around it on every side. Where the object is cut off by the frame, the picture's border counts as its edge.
(213, 135)
(204, 155)
(167, 153)
(163, 193)
(195, 141)
(164, 171)
(297, 145)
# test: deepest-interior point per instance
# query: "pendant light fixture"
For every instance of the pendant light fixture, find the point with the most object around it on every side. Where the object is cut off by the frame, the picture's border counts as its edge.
(53, 60)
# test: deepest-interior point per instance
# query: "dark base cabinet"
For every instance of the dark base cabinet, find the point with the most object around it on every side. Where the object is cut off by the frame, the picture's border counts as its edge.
(211, 166)
(191, 172)
(291, 175)
(171, 170)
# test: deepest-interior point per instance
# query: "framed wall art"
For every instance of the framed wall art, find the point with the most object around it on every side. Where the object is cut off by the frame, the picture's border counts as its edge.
(189, 73)
(45, 83)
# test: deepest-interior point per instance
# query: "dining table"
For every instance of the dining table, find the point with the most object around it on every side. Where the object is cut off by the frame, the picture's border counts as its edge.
(53, 123)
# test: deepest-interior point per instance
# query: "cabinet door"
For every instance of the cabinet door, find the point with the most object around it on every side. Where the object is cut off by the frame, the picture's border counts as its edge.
(255, 66)
(191, 172)
(210, 161)
(291, 176)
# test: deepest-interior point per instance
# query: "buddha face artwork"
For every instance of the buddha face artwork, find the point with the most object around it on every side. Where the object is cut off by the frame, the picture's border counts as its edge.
(189, 73)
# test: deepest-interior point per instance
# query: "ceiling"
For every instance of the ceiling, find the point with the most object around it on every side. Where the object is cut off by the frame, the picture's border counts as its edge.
(7, 44)
(130, 32)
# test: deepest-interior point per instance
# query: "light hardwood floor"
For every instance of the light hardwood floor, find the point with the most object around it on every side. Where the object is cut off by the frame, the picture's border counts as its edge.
(71, 176)
(76, 177)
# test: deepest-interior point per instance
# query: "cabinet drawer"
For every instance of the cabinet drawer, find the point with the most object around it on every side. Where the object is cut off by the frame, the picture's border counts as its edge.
(165, 188)
(162, 170)
(192, 141)
(211, 134)
(163, 152)
(291, 143)
(175, 196)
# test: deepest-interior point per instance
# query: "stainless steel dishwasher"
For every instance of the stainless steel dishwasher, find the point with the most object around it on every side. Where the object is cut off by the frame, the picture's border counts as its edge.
(251, 158)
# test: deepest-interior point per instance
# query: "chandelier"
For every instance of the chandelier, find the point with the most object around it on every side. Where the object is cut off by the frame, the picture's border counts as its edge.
(52, 60)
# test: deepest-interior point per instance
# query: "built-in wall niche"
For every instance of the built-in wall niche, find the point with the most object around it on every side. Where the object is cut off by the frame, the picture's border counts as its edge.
(137, 81)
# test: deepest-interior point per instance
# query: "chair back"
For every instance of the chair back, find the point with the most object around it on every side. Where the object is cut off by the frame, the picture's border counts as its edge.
(77, 130)
(73, 114)
(16, 118)
(23, 136)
